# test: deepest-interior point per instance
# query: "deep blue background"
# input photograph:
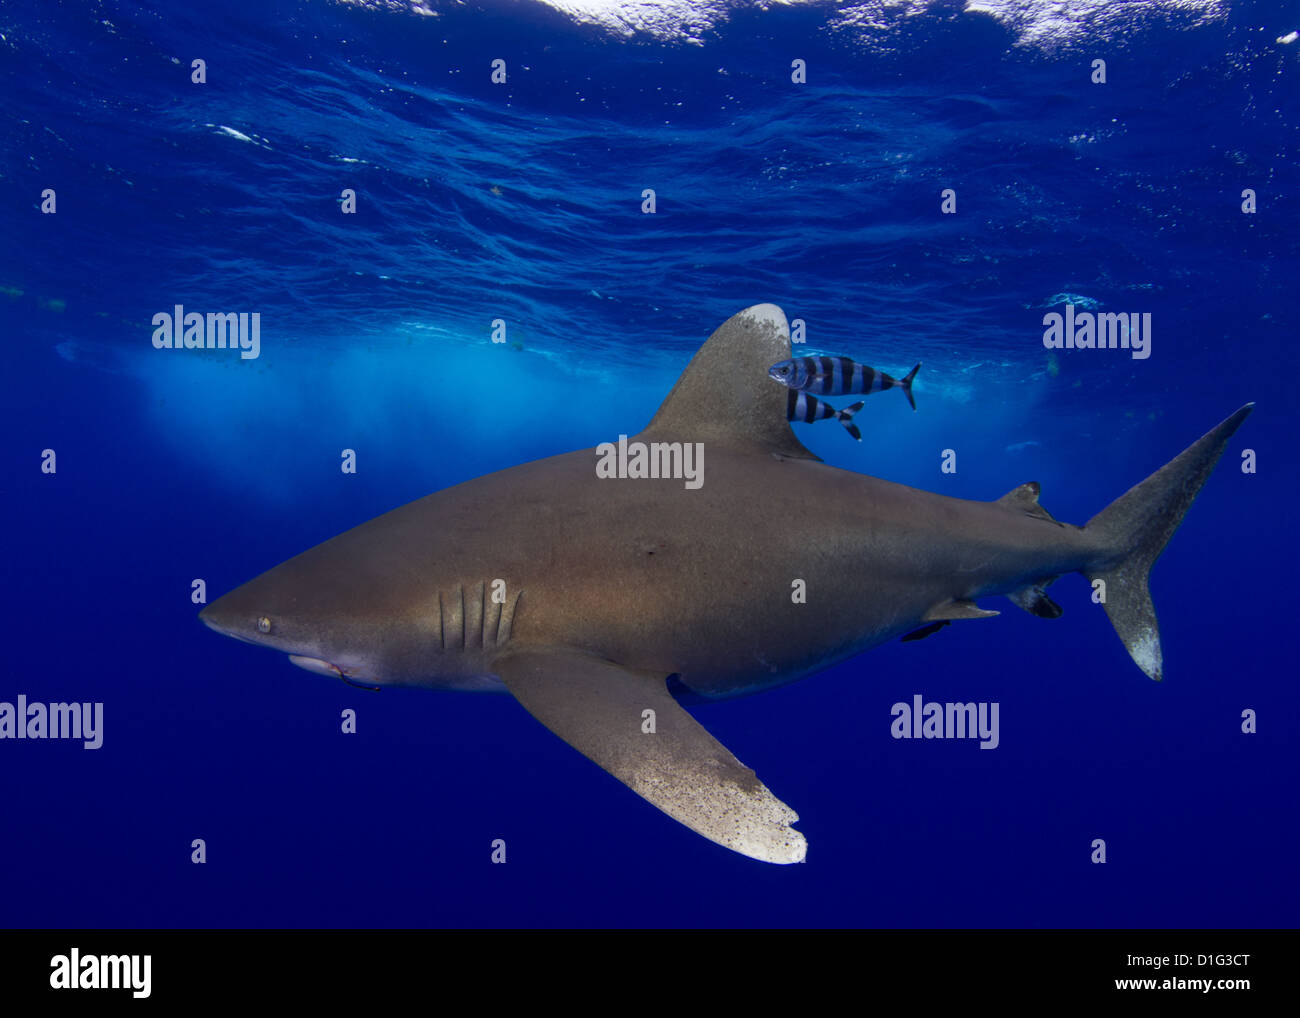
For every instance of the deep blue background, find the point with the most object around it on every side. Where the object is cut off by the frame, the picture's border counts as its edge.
(822, 198)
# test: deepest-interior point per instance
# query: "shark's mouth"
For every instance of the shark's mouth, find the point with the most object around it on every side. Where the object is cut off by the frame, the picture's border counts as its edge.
(315, 664)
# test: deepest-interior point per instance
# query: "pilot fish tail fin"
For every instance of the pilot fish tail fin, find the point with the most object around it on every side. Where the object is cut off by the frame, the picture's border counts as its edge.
(1133, 531)
(845, 417)
(906, 384)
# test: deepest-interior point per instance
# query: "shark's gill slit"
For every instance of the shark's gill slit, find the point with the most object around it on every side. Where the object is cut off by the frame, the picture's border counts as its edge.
(491, 622)
(507, 618)
(460, 594)
(474, 618)
(453, 619)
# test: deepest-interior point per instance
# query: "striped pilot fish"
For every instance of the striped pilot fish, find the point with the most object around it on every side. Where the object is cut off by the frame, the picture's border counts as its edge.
(835, 376)
(802, 406)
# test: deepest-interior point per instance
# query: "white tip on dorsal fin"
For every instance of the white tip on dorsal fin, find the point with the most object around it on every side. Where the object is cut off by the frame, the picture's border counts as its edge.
(725, 394)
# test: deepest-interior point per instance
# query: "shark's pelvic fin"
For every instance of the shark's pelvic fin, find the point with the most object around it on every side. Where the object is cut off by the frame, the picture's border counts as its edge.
(725, 395)
(1134, 530)
(923, 632)
(600, 709)
(956, 610)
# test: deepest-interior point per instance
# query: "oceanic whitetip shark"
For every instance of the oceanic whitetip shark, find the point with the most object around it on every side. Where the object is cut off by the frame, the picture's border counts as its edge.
(593, 600)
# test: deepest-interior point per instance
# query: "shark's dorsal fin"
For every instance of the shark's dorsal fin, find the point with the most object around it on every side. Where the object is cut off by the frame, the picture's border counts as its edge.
(725, 395)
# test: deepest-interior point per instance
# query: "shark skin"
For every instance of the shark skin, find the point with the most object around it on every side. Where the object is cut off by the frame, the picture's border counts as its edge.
(581, 596)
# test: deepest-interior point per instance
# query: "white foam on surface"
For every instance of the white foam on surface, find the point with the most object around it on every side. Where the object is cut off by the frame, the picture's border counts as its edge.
(1037, 24)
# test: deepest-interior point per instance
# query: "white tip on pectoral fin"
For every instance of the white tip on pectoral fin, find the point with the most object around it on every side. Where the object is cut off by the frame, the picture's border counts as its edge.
(744, 817)
(627, 722)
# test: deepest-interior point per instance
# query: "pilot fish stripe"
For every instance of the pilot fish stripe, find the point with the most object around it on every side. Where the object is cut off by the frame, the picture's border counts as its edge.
(835, 376)
(800, 406)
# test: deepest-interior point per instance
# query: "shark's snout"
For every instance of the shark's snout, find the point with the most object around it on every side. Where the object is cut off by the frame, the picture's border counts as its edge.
(211, 619)
(215, 620)
(220, 618)
(245, 615)
(267, 612)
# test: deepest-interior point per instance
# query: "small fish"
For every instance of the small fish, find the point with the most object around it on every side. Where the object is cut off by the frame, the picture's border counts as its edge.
(1021, 446)
(835, 376)
(800, 406)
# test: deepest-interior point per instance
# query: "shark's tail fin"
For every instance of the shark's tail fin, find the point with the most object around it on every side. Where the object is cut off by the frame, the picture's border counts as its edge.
(1134, 530)
(845, 417)
(906, 383)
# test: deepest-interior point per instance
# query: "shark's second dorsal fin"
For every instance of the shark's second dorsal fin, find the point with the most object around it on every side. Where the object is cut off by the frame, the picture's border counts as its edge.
(725, 395)
(1025, 498)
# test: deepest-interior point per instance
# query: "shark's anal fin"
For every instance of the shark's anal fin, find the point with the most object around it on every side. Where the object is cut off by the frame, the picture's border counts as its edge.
(956, 610)
(599, 708)
(1025, 499)
(1034, 600)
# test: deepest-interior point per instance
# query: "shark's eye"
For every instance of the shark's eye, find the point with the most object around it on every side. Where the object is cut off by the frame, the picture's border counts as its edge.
(263, 625)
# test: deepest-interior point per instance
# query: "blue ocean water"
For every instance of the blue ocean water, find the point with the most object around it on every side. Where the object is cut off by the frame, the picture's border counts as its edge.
(522, 201)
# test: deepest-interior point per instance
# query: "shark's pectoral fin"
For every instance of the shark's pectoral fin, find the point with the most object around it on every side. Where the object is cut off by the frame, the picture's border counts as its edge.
(1034, 600)
(666, 757)
(956, 610)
